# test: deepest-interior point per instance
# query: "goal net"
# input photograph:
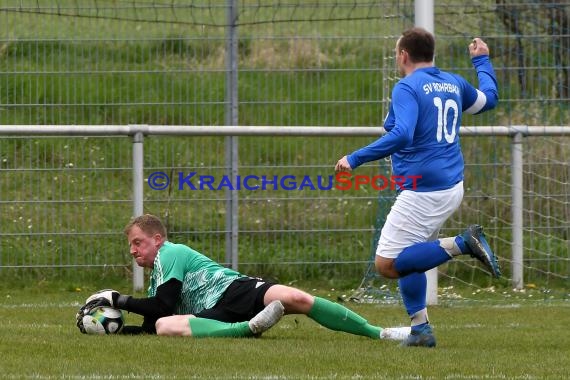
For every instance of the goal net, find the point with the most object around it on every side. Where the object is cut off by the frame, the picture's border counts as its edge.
(488, 202)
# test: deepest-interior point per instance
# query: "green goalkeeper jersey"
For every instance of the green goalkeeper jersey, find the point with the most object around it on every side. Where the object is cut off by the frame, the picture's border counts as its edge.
(203, 280)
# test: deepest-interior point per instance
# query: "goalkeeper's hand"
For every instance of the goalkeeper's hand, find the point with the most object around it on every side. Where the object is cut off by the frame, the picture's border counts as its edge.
(86, 309)
(106, 297)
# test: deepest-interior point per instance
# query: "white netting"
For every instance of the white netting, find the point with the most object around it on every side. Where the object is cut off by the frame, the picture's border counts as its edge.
(488, 201)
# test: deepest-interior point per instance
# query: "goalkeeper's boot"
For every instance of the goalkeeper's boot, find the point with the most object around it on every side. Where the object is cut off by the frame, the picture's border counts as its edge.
(478, 248)
(422, 337)
(266, 318)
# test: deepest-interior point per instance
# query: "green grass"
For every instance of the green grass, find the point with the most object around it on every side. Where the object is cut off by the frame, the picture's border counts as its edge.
(38, 339)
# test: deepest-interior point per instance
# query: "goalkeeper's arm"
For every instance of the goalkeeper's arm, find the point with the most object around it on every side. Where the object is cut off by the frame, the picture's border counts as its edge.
(152, 308)
(161, 305)
(148, 327)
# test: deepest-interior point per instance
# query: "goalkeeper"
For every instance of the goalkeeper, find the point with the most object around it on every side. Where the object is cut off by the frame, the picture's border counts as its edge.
(184, 282)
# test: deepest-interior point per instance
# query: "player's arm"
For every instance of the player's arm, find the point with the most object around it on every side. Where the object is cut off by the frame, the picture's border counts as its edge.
(399, 136)
(486, 96)
(151, 308)
(161, 305)
(148, 327)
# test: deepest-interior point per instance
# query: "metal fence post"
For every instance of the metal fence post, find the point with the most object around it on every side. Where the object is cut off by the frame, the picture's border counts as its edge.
(517, 211)
(138, 160)
(232, 141)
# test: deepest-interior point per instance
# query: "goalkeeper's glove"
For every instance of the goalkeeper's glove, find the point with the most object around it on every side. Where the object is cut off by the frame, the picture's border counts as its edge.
(83, 311)
(107, 297)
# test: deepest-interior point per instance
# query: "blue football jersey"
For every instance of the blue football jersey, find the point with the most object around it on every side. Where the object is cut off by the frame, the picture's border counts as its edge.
(423, 123)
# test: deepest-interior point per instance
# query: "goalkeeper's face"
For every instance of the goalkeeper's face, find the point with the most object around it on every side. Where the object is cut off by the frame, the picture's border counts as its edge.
(143, 247)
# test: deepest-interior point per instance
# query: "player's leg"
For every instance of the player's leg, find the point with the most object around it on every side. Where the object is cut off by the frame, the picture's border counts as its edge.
(413, 288)
(422, 257)
(329, 314)
(174, 325)
(407, 242)
(405, 251)
(189, 325)
(415, 215)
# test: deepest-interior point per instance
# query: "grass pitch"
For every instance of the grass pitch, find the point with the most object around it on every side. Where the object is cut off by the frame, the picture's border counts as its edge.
(38, 339)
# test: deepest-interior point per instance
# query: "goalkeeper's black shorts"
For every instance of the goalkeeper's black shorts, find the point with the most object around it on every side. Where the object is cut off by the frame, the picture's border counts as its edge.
(241, 301)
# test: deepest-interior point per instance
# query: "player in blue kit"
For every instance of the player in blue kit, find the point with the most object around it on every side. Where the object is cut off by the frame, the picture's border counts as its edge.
(423, 141)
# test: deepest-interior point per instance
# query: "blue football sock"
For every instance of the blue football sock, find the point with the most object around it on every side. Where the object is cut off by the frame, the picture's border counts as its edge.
(461, 244)
(413, 289)
(419, 327)
(420, 257)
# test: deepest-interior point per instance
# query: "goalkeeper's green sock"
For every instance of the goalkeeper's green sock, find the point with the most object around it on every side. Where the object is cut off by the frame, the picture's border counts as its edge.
(203, 328)
(337, 317)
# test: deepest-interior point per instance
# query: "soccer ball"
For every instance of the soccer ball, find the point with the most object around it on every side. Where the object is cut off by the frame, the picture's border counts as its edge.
(104, 320)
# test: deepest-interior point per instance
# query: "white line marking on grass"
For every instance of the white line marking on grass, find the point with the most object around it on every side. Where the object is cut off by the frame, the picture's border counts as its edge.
(39, 305)
(87, 376)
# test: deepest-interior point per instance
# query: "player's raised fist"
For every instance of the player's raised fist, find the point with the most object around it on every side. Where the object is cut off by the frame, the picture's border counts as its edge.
(478, 47)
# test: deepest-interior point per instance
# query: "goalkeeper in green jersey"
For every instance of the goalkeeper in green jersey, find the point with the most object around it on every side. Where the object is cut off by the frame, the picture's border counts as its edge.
(184, 284)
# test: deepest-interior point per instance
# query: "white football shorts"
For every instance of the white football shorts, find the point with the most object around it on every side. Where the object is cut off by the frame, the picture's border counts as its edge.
(417, 217)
